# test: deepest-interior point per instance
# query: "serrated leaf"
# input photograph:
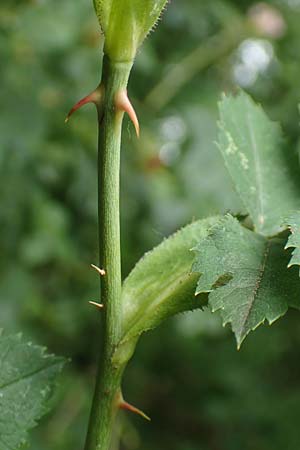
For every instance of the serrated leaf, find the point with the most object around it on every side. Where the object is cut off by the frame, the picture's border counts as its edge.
(265, 172)
(293, 222)
(246, 277)
(27, 376)
(162, 283)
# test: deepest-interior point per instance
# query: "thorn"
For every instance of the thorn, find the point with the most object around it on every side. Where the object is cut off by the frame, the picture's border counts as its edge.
(99, 305)
(100, 271)
(94, 97)
(129, 407)
(123, 103)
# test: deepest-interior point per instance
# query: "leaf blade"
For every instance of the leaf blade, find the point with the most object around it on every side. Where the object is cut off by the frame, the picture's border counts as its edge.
(162, 283)
(258, 287)
(264, 172)
(27, 377)
(293, 223)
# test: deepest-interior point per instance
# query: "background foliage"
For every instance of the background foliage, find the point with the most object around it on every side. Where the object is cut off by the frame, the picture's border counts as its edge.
(187, 374)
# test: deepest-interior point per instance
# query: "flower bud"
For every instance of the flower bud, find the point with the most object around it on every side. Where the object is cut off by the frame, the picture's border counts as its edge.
(125, 24)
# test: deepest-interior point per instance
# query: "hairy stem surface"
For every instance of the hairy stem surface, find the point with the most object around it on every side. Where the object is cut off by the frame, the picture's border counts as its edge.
(111, 366)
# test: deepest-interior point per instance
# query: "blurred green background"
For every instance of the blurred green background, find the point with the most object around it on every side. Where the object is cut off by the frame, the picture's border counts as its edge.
(200, 392)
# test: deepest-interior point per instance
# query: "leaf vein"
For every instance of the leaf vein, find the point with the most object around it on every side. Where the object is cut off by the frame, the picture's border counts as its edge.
(257, 173)
(28, 375)
(257, 285)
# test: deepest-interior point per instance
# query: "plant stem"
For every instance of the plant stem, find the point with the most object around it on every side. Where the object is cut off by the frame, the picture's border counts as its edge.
(107, 390)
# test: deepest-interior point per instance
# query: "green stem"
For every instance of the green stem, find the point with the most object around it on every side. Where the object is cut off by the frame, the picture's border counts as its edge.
(108, 381)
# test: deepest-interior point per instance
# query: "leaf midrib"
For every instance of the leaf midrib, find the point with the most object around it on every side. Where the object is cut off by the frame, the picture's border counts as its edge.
(28, 375)
(257, 286)
(257, 174)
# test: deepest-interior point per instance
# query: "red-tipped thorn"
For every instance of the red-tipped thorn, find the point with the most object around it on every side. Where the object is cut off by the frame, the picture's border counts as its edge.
(95, 97)
(100, 271)
(129, 407)
(99, 305)
(123, 103)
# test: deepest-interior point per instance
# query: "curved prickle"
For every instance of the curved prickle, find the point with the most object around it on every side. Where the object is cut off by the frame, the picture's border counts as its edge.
(123, 104)
(96, 97)
(128, 407)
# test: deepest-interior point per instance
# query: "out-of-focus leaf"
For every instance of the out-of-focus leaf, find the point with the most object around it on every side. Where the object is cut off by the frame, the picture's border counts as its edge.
(265, 172)
(246, 277)
(27, 376)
